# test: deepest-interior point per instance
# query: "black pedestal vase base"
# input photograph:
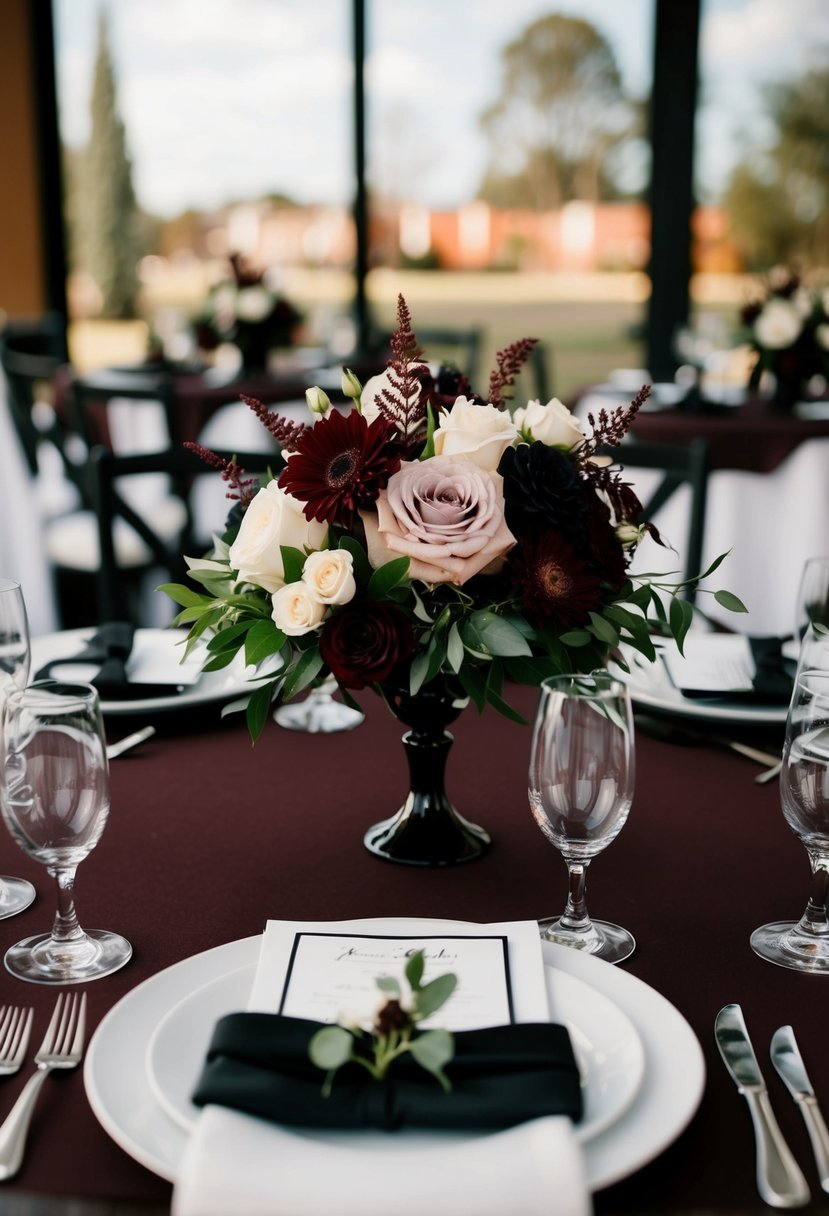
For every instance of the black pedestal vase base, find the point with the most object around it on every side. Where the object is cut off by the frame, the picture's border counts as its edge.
(427, 830)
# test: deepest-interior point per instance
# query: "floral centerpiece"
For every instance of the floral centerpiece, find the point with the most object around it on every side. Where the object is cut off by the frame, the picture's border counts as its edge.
(787, 327)
(246, 313)
(431, 545)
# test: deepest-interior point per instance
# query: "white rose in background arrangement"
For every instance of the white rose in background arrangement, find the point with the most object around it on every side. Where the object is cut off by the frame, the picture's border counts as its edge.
(273, 518)
(329, 576)
(253, 304)
(552, 424)
(802, 301)
(295, 610)
(822, 335)
(481, 432)
(373, 387)
(779, 325)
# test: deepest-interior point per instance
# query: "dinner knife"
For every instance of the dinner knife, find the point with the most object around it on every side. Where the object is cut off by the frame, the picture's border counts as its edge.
(779, 1178)
(786, 1058)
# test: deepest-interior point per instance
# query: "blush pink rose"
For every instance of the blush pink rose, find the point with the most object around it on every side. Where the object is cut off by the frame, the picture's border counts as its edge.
(446, 514)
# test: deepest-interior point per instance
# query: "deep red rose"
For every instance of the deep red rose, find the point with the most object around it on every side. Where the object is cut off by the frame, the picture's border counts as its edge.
(363, 642)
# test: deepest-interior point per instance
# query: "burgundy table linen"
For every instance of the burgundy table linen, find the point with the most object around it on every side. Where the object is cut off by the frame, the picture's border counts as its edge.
(209, 837)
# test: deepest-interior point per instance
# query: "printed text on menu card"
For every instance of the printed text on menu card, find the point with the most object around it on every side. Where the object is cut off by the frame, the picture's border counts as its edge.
(333, 975)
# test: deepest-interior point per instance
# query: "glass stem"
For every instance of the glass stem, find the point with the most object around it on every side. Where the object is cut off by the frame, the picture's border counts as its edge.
(814, 919)
(66, 927)
(575, 914)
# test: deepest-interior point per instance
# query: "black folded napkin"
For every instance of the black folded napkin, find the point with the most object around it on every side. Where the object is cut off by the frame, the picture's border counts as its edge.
(109, 648)
(774, 674)
(501, 1076)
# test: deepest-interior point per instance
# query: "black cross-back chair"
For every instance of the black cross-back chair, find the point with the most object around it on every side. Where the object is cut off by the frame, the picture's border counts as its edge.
(30, 354)
(680, 465)
(162, 550)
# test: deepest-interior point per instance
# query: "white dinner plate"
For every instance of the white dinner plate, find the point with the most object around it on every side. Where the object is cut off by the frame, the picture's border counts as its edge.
(207, 686)
(120, 1094)
(651, 688)
(610, 1054)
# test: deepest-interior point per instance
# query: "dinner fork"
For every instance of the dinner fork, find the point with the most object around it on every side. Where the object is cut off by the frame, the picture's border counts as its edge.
(15, 1027)
(62, 1047)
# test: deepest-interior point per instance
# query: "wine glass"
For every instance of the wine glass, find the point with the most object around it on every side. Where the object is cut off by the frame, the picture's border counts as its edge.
(580, 789)
(15, 656)
(812, 620)
(319, 713)
(804, 791)
(55, 801)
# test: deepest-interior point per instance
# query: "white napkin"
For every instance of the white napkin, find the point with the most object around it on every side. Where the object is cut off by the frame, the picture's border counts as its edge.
(235, 1163)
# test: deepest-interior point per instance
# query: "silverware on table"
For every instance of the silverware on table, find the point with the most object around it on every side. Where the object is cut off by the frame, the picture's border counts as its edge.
(779, 1178)
(786, 1058)
(770, 773)
(15, 1027)
(62, 1047)
(124, 745)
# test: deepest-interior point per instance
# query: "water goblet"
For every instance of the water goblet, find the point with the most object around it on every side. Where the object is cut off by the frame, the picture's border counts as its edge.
(812, 615)
(15, 657)
(581, 779)
(55, 801)
(804, 793)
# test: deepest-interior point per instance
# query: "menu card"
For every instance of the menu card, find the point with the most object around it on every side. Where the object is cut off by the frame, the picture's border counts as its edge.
(327, 970)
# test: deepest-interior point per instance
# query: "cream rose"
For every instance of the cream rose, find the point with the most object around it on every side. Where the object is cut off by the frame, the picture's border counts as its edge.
(481, 432)
(446, 514)
(552, 424)
(329, 576)
(274, 518)
(778, 325)
(296, 610)
(372, 390)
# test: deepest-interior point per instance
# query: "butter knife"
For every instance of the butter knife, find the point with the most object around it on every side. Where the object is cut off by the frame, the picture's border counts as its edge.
(788, 1061)
(779, 1178)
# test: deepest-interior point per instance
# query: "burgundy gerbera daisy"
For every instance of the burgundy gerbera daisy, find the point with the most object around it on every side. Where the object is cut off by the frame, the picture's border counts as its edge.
(341, 464)
(557, 587)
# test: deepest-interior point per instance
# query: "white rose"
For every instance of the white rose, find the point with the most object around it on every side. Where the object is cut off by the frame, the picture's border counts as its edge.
(778, 325)
(552, 424)
(329, 576)
(253, 304)
(822, 335)
(274, 518)
(481, 432)
(373, 387)
(295, 609)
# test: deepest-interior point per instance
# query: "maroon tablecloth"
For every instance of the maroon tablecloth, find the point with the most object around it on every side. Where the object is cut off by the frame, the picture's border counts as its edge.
(751, 437)
(208, 837)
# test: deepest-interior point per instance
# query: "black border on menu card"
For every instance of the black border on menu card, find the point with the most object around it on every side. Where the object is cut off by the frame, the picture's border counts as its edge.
(407, 937)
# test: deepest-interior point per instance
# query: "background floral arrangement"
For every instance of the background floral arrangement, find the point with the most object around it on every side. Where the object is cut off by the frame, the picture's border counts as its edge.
(429, 535)
(788, 328)
(245, 312)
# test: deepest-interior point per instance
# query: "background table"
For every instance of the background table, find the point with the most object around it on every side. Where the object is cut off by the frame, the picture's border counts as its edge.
(209, 837)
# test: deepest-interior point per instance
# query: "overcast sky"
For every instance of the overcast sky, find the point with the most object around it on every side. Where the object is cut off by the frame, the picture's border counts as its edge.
(228, 99)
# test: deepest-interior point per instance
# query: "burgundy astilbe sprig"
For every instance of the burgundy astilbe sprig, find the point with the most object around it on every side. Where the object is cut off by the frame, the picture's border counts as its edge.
(610, 429)
(239, 485)
(509, 362)
(403, 402)
(286, 433)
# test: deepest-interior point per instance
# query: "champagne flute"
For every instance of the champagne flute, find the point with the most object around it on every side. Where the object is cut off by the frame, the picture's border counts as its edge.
(55, 801)
(812, 621)
(15, 657)
(804, 791)
(581, 780)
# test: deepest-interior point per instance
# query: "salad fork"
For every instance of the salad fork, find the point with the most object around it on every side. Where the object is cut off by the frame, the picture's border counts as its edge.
(62, 1047)
(15, 1027)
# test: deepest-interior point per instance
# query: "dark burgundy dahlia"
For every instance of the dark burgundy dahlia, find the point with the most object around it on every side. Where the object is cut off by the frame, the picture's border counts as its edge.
(543, 490)
(364, 641)
(557, 587)
(340, 465)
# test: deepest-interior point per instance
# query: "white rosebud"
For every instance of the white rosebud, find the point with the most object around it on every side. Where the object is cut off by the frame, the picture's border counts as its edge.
(779, 325)
(318, 401)
(629, 534)
(350, 385)
(295, 610)
(552, 424)
(329, 576)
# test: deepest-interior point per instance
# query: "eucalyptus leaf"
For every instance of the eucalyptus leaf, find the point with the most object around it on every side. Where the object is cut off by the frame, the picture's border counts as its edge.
(331, 1047)
(388, 984)
(432, 1050)
(431, 996)
(497, 635)
(414, 970)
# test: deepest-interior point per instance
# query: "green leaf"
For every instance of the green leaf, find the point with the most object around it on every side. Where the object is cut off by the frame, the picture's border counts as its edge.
(576, 638)
(504, 708)
(680, 617)
(387, 983)
(331, 1047)
(432, 1050)
(293, 561)
(414, 970)
(263, 640)
(388, 576)
(603, 630)
(229, 639)
(360, 565)
(219, 661)
(431, 426)
(185, 596)
(306, 669)
(474, 685)
(258, 709)
(431, 996)
(716, 563)
(454, 649)
(417, 673)
(496, 636)
(726, 599)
